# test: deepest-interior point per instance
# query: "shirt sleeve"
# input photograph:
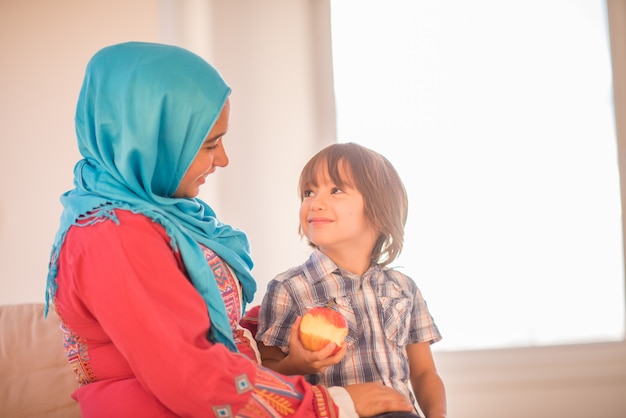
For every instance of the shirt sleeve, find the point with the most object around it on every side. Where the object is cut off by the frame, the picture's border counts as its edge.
(423, 327)
(126, 277)
(277, 314)
(344, 401)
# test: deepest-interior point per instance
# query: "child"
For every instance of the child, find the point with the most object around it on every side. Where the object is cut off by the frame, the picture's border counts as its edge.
(353, 212)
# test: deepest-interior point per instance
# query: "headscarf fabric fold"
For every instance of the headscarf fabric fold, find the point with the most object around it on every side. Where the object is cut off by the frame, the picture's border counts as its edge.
(143, 112)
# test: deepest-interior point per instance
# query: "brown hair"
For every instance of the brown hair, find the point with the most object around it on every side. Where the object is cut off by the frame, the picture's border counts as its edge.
(384, 195)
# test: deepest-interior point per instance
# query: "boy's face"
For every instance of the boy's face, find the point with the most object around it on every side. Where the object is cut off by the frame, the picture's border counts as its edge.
(333, 218)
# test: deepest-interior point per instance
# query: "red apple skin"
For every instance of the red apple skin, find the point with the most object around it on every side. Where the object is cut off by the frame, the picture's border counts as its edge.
(321, 325)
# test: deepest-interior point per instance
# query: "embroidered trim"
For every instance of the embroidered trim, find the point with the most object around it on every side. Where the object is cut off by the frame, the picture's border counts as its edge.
(227, 284)
(77, 352)
(242, 384)
(322, 401)
(223, 411)
(273, 397)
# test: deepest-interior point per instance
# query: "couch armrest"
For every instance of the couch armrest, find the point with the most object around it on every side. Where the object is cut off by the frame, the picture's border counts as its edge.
(36, 379)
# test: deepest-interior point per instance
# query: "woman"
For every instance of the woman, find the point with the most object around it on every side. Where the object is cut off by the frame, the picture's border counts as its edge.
(149, 284)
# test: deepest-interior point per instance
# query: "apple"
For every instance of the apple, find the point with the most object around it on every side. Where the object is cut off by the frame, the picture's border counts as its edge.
(321, 325)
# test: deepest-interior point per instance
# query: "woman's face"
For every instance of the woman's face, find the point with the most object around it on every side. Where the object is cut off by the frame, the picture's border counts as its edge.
(211, 155)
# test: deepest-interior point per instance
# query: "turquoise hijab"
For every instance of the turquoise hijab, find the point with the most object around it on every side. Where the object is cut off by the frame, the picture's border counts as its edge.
(143, 113)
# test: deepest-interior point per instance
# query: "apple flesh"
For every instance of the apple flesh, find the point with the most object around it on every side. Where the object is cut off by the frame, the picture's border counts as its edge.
(321, 325)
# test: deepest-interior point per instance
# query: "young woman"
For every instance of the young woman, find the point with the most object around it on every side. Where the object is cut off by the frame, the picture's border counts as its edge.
(149, 284)
(353, 212)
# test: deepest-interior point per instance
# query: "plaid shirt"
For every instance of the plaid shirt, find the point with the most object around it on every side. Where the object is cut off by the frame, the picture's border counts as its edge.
(385, 312)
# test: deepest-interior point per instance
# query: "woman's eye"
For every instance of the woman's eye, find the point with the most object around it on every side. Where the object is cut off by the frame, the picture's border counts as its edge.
(212, 144)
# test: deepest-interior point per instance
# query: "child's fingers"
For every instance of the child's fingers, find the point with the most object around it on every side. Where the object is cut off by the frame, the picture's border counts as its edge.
(294, 337)
(327, 351)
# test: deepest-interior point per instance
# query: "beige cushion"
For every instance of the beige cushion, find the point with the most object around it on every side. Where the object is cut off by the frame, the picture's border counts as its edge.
(35, 377)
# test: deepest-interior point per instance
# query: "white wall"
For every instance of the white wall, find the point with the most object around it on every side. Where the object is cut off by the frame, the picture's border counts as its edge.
(275, 54)
(45, 47)
(282, 111)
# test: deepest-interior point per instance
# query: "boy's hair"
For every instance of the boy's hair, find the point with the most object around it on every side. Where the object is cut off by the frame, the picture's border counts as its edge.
(385, 198)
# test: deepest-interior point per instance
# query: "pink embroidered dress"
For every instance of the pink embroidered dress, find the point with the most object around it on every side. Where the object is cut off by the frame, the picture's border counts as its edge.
(122, 321)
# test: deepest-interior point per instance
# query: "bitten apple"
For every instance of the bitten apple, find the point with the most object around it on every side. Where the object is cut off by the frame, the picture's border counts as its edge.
(321, 325)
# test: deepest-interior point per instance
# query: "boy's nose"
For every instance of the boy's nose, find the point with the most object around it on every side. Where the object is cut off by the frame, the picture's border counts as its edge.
(318, 202)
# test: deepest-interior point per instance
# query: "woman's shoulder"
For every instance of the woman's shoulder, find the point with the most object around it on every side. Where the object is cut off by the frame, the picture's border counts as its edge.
(104, 218)
(120, 237)
(121, 225)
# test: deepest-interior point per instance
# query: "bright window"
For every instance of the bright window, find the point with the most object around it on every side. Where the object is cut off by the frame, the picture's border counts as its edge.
(499, 117)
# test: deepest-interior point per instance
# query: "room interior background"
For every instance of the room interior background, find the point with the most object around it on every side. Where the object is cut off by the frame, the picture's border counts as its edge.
(276, 56)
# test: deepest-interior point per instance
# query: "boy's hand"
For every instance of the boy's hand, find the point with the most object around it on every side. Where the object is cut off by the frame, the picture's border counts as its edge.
(309, 362)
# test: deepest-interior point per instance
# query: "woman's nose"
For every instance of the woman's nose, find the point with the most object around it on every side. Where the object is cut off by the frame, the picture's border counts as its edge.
(220, 158)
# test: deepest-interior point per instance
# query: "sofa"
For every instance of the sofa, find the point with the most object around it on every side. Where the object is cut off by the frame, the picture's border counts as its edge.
(36, 379)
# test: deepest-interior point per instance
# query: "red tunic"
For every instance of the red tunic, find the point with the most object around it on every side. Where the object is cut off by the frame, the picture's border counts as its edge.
(135, 332)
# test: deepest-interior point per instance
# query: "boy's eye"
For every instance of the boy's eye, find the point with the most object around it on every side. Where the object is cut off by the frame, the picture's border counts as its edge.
(336, 190)
(307, 193)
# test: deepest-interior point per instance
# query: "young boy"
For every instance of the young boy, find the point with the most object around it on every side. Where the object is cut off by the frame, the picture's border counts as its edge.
(353, 212)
